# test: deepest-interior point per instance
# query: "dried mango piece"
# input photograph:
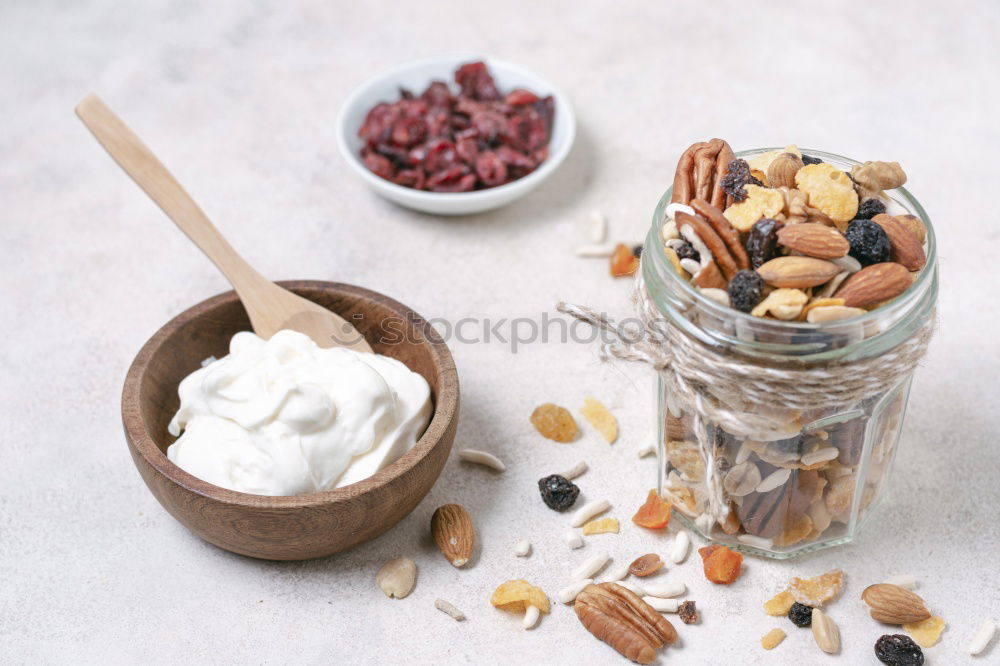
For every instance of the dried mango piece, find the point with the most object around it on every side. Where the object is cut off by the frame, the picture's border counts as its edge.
(516, 595)
(602, 526)
(654, 514)
(780, 604)
(554, 422)
(771, 639)
(927, 632)
(816, 592)
(601, 418)
(721, 564)
(829, 189)
(623, 261)
(760, 202)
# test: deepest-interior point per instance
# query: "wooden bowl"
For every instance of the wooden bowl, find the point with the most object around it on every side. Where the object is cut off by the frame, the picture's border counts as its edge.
(302, 526)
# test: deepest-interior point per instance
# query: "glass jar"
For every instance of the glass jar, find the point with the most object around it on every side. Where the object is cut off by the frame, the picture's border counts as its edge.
(784, 493)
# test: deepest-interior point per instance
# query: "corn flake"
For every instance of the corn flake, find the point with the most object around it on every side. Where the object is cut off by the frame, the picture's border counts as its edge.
(602, 526)
(927, 632)
(829, 189)
(780, 604)
(760, 202)
(602, 419)
(816, 592)
(516, 595)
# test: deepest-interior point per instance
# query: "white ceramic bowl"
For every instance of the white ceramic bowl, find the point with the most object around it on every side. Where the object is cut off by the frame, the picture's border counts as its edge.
(416, 76)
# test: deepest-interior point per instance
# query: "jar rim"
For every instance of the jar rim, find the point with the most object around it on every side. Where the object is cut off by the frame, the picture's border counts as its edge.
(905, 301)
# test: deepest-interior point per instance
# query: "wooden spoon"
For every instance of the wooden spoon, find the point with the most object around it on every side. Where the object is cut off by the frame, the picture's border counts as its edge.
(270, 307)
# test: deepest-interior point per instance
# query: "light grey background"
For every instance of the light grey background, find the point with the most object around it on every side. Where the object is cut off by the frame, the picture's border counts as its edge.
(238, 98)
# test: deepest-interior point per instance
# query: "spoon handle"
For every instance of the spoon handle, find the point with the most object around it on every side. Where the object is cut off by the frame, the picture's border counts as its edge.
(139, 162)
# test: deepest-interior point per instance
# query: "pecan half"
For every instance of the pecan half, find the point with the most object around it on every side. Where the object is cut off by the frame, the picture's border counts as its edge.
(718, 247)
(726, 231)
(624, 621)
(700, 171)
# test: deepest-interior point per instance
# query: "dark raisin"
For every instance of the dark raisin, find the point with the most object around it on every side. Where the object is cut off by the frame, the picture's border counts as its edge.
(869, 208)
(762, 241)
(687, 251)
(869, 244)
(688, 613)
(809, 159)
(558, 492)
(898, 650)
(800, 615)
(738, 175)
(637, 250)
(745, 290)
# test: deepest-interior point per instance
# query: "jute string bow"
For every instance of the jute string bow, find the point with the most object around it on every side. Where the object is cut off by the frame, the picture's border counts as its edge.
(741, 396)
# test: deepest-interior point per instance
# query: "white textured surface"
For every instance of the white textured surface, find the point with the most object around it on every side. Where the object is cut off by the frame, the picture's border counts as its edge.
(239, 99)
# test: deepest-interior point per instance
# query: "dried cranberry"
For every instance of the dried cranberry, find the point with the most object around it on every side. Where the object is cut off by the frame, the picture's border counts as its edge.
(380, 165)
(520, 97)
(378, 124)
(440, 155)
(476, 82)
(526, 131)
(490, 169)
(409, 131)
(489, 124)
(762, 241)
(464, 184)
(437, 94)
(414, 178)
(467, 149)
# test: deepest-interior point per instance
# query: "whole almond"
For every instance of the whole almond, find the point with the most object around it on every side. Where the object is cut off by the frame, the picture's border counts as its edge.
(893, 604)
(797, 272)
(781, 172)
(915, 225)
(814, 240)
(906, 249)
(874, 284)
(452, 529)
(825, 632)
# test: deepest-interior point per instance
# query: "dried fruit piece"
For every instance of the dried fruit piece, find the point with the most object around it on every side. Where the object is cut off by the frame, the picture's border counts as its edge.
(762, 242)
(654, 514)
(645, 565)
(772, 639)
(780, 604)
(800, 614)
(745, 290)
(898, 650)
(829, 189)
(397, 577)
(554, 422)
(601, 418)
(624, 621)
(688, 612)
(825, 632)
(737, 176)
(869, 242)
(451, 527)
(927, 632)
(869, 208)
(602, 526)
(818, 591)
(722, 565)
(623, 261)
(893, 604)
(558, 492)
(516, 595)
(760, 202)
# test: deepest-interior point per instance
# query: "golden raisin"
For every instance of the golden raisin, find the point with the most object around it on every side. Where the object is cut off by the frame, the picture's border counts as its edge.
(554, 422)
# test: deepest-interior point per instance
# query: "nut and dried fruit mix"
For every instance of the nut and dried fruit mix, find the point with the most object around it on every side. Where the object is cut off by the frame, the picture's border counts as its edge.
(443, 141)
(788, 236)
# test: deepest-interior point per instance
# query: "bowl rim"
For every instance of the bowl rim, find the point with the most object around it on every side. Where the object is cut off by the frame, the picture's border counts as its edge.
(550, 164)
(445, 409)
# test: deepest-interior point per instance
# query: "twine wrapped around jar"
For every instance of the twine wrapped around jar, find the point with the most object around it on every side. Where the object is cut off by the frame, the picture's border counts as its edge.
(724, 387)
